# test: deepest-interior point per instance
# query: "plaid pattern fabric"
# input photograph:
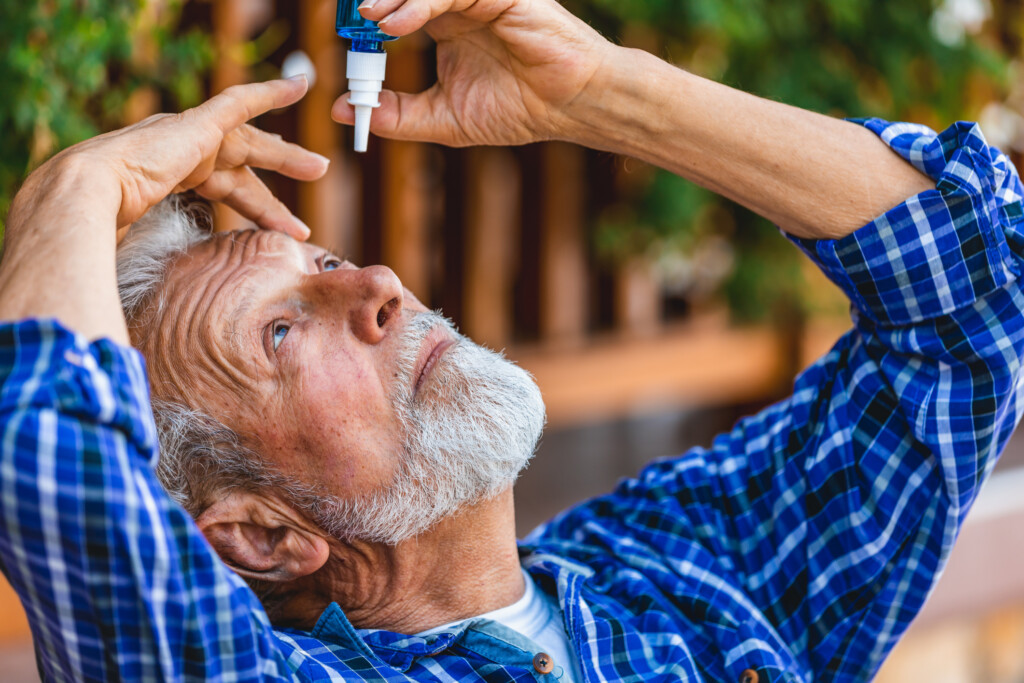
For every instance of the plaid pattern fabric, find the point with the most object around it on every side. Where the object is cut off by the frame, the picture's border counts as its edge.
(801, 544)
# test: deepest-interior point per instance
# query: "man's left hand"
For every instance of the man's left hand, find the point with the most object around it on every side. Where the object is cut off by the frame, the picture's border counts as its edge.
(59, 252)
(210, 149)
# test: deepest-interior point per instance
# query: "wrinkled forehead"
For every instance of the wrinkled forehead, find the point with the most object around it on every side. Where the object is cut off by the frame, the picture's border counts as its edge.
(207, 291)
(232, 259)
(224, 277)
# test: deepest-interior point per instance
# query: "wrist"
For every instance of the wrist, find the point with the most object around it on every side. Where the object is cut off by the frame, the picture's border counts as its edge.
(80, 177)
(59, 251)
(67, 181)
(622, 106)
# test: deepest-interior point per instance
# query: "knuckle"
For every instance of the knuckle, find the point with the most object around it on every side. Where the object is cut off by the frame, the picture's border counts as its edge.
(157, 118)
(233, 92)
(188, 117)
(213, 188)
(251, 135)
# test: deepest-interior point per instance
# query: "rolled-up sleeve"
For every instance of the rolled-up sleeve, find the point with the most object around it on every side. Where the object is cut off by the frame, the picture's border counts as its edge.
(940, 250)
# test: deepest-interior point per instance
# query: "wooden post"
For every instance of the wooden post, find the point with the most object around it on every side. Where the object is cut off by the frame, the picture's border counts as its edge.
(1008, 24)
(145, 101)
(638, 304)
(330, 205)
(230, 31)
(405, 208)
(563, 270)
(492, 222)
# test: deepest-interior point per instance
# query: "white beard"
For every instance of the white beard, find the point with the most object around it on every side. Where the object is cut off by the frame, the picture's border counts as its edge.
(470, 430)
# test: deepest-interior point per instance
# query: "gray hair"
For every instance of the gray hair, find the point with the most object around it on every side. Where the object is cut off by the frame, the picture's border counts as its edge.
(199, 456)
(167, 231)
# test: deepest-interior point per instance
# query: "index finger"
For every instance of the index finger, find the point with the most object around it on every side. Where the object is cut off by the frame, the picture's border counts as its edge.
(240, 103)
(401, 17)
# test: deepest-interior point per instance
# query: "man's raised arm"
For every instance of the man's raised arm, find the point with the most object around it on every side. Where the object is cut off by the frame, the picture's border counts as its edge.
(833, 512)
(117, 581)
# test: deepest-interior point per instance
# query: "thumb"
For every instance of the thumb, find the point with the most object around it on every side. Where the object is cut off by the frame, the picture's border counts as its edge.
(424, 117)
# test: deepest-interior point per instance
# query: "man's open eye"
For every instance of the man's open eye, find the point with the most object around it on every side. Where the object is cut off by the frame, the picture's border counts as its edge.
(279, 332)
(332, 262)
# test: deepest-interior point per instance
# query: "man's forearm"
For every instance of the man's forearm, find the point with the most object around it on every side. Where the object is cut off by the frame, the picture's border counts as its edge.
(60, 253)
(813, 175)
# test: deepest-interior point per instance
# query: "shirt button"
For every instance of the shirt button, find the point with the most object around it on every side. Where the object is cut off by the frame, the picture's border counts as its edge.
(543, 664)
(748, 676)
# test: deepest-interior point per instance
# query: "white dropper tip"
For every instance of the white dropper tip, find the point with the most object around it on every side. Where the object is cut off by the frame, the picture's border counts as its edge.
(362, 130)
(365, 71)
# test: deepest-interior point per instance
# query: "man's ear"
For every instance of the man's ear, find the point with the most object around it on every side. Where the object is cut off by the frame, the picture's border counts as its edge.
(260, 537)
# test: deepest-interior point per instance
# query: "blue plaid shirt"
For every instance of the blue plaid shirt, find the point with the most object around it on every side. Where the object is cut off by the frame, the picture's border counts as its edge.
(800, 545)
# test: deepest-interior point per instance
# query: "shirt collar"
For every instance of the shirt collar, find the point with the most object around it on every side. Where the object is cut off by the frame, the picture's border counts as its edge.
(399, 651)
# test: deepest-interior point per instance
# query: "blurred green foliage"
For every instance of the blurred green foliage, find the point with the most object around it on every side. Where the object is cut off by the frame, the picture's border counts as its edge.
(69, 67)
(841, 57)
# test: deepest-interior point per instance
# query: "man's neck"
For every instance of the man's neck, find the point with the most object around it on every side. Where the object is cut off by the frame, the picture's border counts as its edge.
(467, 565)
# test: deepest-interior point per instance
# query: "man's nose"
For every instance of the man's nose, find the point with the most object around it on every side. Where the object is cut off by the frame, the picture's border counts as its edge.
(377, 302)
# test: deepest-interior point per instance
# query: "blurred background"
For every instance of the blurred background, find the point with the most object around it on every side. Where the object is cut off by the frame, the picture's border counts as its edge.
(652, 313)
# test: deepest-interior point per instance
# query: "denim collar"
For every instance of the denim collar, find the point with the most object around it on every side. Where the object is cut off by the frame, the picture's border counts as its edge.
(399, 651)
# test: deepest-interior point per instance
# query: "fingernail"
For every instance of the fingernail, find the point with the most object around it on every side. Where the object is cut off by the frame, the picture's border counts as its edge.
(321, 157)
(303, 228)
(367, 4)
(386, 19)
(298, 77)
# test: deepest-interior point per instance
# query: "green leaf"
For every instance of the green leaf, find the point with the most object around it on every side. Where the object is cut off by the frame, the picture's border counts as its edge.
(67, 69)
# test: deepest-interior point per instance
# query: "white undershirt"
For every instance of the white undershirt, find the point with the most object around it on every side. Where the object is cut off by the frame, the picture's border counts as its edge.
(538, 617)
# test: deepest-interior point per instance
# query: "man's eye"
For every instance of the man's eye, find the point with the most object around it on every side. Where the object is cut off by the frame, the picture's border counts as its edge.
(331, 263)
(280, 330)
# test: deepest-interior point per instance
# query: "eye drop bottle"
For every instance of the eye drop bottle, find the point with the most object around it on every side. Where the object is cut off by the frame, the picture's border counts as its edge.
(366, 62)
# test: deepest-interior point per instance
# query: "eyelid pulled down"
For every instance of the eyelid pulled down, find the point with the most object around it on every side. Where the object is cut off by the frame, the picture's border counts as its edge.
(274, 328)
(270, 343)
(329, 258)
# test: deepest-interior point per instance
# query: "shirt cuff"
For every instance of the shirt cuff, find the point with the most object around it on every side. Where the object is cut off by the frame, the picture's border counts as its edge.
(940, 250)
(44, 365)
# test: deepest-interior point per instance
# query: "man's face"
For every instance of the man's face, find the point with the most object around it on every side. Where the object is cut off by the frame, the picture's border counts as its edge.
(345, 381)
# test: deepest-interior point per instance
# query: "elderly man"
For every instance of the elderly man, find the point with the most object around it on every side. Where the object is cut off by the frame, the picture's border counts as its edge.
(341, 460)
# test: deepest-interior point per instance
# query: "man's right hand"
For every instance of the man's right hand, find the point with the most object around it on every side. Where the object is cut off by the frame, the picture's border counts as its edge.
(509, 71)
(512, 72)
